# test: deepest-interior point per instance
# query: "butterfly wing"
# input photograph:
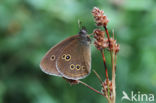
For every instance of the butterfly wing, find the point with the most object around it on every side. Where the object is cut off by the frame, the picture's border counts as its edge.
(48, 63)
(74, 62)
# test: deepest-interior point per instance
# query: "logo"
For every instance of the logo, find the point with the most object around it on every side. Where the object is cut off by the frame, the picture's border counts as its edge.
(137, 97)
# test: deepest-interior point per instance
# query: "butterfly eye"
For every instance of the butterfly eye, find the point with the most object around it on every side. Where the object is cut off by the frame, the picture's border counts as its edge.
(78, 67)
(68, 57)
(63, 56)
(72, 66)
(52, 58)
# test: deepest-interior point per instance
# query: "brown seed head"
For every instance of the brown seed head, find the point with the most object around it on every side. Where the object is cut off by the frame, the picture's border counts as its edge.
(116, 46)
(107, 85)
(101, 42)
(100, 18)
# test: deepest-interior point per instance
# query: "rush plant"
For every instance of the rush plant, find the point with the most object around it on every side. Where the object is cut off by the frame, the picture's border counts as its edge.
(104, 42)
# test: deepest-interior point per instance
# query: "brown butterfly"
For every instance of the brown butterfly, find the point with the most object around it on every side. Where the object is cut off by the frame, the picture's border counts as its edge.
(70, 58)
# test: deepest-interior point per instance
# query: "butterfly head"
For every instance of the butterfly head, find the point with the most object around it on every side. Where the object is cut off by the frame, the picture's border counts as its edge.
(84, 36)
(83, 32)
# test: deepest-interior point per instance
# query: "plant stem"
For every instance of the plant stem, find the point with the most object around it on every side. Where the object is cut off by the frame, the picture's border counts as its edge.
(97, 75)
(115, 61)
(104, 62)
(106, 71)
(107, 34)
(113, 74)
(112, 53)
(90, 87)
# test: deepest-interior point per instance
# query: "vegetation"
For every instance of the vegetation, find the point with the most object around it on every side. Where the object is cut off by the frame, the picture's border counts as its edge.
(28, 28)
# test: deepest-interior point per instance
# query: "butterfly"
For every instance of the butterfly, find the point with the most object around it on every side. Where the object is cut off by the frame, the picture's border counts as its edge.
(70, 59)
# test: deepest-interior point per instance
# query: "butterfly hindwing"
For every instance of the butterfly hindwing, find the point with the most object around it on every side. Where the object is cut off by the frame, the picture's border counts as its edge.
(74, 60)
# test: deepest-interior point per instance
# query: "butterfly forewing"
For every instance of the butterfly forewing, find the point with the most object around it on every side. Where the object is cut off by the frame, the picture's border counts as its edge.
(48, 63)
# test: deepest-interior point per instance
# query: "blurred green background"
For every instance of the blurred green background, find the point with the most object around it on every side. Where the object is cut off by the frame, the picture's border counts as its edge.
(29, 28)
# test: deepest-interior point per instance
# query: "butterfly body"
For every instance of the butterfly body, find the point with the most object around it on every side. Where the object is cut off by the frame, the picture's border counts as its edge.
(70, 58)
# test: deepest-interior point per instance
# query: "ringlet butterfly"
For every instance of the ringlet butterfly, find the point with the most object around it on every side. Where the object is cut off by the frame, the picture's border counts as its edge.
(70, 59)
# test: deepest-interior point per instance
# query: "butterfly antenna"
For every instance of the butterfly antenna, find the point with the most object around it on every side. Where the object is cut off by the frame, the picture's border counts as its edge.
(84, 28)
(79, 24)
